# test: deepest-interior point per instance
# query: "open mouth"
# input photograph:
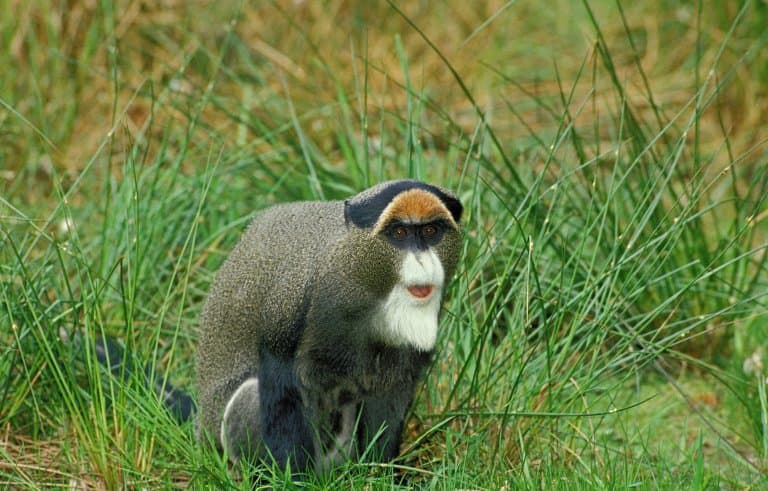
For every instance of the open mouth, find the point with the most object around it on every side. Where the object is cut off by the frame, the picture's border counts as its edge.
(421, 291)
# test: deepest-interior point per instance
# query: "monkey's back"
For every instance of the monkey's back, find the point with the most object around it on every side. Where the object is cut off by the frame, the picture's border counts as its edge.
(257, 297)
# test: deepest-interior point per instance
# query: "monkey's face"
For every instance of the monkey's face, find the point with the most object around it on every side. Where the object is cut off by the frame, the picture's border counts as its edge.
(421, 272)
(418, 224)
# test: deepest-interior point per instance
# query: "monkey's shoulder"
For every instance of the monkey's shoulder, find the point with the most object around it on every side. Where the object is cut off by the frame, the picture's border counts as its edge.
(292, 219)
(290, 237)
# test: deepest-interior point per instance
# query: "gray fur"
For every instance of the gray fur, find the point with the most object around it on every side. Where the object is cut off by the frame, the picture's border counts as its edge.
(293, 306)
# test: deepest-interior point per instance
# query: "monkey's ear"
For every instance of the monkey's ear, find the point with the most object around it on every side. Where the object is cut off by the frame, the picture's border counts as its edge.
(358, 214)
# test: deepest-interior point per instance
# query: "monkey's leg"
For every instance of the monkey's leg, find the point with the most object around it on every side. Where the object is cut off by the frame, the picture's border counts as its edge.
(334, 418)
(241, 425)
(381, 424)
(286, 432)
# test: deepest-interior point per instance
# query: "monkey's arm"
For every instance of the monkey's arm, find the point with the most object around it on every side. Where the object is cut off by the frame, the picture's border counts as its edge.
(285, 430)
(381, 423)
(379, 380)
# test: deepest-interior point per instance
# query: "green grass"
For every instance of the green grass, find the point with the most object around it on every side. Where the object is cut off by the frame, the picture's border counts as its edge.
(607, 327)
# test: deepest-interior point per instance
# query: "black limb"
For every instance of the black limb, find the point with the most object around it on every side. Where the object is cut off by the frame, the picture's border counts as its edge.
(285, 430)
(381, 425)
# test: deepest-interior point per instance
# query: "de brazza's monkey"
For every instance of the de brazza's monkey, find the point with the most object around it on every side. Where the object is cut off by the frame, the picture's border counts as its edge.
(321, 322)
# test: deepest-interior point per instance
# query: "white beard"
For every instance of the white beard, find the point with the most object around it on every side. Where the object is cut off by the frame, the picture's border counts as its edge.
(408, 320)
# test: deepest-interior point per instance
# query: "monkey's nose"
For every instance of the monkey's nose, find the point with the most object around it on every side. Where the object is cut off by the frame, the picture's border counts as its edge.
(421, 291)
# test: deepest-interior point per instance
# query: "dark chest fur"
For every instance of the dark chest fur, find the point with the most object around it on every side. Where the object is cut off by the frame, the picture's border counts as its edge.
(362, 369)
(381, 368)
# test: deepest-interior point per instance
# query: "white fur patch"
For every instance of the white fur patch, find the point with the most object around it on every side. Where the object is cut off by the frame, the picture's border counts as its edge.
(342, 441)
(247, 385)
(407, 319)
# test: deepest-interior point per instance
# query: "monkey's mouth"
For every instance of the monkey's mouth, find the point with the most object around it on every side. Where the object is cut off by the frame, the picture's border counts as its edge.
(422, 292)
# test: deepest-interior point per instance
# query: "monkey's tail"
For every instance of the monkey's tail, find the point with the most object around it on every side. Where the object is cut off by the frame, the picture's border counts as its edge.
(112, 355)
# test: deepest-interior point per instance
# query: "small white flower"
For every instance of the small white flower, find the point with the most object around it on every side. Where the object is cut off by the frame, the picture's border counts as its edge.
(66, 226)
(754, 364)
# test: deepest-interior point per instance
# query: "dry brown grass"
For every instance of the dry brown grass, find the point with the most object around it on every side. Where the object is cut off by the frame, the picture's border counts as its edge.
(80, 69)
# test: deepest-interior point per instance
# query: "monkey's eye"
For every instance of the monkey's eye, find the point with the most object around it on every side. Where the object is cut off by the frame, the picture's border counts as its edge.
(428, 231)
(399, 232)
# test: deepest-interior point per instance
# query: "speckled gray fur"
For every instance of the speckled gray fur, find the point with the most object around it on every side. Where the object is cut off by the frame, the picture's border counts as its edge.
(293, 306)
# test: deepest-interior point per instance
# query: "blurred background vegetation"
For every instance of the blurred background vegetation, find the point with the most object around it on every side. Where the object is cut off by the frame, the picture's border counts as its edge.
(76, 70)
(137, 138)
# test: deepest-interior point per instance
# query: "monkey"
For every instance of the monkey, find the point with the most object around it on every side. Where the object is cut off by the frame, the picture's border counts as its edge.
(321, 322)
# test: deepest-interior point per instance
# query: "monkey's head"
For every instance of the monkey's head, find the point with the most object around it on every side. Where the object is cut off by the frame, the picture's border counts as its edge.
(413, 230)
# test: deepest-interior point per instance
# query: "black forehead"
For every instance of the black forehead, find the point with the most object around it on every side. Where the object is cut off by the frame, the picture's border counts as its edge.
(365, 209)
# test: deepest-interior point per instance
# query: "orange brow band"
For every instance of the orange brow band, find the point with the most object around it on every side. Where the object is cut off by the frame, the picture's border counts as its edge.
(414, 205)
